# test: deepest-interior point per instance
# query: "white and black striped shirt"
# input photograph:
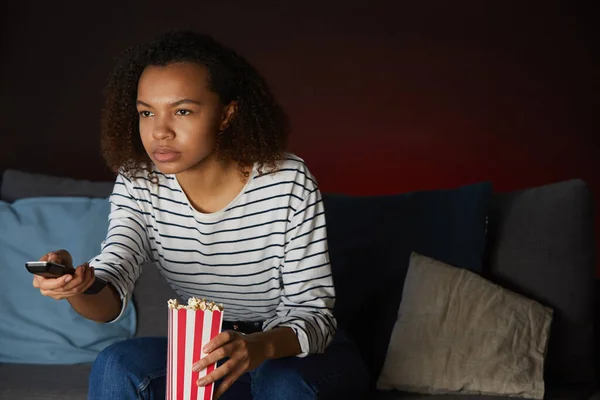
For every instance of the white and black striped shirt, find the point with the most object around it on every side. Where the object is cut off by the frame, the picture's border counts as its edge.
(264, 256)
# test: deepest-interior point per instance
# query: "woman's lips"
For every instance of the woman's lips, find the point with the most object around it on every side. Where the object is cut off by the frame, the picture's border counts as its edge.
(166, 155)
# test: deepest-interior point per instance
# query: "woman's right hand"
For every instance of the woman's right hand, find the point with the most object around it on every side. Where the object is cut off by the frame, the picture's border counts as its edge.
(67, 285)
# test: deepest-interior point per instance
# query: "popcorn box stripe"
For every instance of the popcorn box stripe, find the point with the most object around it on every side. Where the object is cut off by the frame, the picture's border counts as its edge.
(208, 319)
(173, 347)
(215, 329)
(198, 327)
(190, 328)
(181, 340)
(169, 355)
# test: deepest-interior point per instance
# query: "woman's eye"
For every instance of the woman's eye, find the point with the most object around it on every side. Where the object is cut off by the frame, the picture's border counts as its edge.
(183, 112)
(145, 114)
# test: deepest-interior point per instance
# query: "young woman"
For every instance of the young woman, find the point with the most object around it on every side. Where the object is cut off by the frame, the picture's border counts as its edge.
(206, 191)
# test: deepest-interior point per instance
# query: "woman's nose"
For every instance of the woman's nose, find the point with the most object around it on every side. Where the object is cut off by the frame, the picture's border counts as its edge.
(162, 131)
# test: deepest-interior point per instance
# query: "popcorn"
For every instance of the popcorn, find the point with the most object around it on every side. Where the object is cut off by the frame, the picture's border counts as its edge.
(195, 303)
(191, 326)
(173, 303)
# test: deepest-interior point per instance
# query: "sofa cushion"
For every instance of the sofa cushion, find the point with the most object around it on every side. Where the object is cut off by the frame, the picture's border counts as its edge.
(460, 333)
(542, 245)
(566, 392)
(44, 382)
(36, 328)
(17, 184)
(371, 239)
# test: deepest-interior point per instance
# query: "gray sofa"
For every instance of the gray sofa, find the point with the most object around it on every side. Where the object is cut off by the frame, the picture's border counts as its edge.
(540, 243)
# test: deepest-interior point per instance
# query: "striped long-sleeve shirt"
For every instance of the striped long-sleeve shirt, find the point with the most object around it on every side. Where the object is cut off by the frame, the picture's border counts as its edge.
(264, 256)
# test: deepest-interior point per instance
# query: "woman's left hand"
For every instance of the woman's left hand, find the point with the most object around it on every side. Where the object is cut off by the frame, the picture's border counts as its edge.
(245, 352)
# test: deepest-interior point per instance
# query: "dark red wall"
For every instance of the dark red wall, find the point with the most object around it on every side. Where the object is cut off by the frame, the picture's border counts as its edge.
(383, 99)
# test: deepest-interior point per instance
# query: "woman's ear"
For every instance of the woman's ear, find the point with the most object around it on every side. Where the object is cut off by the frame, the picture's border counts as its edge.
(228, 115)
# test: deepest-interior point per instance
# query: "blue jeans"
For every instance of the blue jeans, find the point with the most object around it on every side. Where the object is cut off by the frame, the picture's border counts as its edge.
(136, 369)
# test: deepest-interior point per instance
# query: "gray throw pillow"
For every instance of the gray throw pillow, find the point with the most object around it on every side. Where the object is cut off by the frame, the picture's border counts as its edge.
(459, 333)
(18, 184)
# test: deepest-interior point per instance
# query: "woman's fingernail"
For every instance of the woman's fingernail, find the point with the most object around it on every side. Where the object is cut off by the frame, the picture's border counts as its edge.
(201, 382)
(68, 278)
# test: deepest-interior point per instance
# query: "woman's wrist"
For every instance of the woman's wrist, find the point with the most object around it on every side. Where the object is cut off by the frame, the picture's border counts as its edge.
(278, 342)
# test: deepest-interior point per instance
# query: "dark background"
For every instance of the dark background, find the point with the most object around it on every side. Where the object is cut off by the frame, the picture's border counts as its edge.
(384, 97)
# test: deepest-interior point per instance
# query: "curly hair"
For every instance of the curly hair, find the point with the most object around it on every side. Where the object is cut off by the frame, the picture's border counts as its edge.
(257, 134)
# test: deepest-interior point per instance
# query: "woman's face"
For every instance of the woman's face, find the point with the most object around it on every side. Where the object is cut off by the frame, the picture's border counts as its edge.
(179, 116)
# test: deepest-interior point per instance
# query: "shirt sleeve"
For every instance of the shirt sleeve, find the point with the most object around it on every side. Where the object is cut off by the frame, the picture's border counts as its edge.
(308, 293)
(126, 246)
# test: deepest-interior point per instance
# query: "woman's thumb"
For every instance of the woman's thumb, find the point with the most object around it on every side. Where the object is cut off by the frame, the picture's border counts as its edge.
(62, 257)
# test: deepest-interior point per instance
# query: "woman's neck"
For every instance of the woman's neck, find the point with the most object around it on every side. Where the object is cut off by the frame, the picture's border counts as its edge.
(211, 184)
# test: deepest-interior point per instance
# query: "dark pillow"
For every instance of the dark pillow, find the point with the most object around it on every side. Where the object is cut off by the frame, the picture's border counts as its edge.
(19, 184)
(370, 242)
(542, 245)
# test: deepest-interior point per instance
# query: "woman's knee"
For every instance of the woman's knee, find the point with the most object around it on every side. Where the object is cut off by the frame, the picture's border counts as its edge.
(113, 360)
(111, 372)
(125, 366)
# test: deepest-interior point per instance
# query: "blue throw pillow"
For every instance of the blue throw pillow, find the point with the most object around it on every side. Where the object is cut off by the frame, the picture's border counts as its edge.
(370, 242)
(38, 329)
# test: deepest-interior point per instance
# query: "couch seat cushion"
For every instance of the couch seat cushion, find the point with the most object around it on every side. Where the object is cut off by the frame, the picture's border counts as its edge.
(44, 382)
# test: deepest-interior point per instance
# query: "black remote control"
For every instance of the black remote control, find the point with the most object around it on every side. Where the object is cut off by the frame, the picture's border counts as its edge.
(49, 269)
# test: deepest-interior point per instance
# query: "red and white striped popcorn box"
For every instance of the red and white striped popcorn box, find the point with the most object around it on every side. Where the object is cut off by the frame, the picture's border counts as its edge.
(189, 331)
